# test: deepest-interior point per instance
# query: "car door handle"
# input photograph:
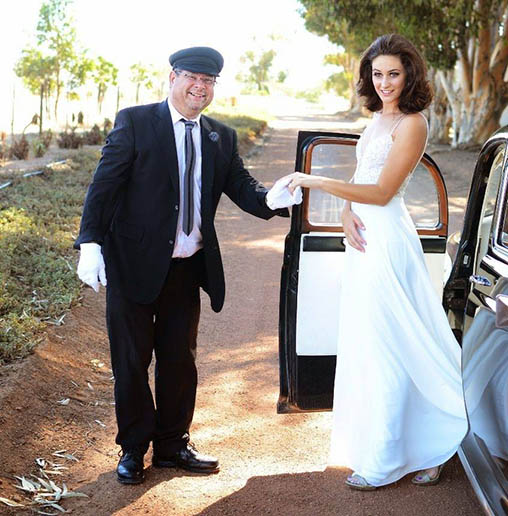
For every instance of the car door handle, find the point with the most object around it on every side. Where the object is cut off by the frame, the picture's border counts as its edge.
(480, 280)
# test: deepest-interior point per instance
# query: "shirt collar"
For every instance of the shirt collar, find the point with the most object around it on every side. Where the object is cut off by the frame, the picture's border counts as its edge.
(176, 115)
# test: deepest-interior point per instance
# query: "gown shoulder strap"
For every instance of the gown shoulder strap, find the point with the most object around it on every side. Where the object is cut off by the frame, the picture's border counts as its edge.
(396, 124)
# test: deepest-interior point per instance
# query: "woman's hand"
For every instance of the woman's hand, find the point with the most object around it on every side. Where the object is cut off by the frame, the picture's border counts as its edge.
(352, 223)
(303, 180)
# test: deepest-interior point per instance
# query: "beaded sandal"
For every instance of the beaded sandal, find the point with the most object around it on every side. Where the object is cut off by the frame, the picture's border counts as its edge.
(356, 481)
(424, 479)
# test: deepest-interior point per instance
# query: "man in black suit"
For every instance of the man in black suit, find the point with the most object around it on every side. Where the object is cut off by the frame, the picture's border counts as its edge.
(148, 222)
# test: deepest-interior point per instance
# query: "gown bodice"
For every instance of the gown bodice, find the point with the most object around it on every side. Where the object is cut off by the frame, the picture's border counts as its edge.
(371, 156)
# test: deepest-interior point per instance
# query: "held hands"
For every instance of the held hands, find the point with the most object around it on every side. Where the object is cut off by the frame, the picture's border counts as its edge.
(352, 223)
(279, 196)
(298, 180)
(91, 268)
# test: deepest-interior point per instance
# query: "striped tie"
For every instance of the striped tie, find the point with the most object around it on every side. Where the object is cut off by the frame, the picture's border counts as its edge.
(188, 181)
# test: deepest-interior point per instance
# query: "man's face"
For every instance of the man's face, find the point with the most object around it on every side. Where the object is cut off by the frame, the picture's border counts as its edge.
(190, 92)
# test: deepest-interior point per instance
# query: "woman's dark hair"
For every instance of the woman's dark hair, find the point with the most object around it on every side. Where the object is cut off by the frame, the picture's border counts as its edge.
(417, 93)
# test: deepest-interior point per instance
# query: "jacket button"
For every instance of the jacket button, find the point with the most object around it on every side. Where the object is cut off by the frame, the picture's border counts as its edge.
(176, 207)
(171, 242)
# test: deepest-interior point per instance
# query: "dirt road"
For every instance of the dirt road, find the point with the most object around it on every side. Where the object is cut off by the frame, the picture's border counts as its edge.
(271, 464)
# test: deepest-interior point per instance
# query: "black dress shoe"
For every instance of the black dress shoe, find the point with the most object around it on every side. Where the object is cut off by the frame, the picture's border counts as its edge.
(130, 467)
(187, 458)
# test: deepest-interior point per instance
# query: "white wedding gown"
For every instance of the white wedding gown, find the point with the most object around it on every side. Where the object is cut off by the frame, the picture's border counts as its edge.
(398, 400)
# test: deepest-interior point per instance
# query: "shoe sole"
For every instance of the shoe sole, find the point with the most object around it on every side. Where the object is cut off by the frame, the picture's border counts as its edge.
(361, 488)
(130, 481)
(423, 484)
(431, 482)
(167, 464)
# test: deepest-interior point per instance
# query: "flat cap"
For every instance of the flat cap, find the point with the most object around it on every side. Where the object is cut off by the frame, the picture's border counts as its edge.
(198, 60)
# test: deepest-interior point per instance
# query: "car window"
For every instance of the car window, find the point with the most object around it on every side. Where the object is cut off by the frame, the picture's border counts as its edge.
(503, 230)
(422, 198)
(489, 204)
(335, 159)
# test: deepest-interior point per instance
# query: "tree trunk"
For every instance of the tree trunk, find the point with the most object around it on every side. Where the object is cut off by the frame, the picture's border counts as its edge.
(455, 103)
(13, 111)
(137, 92)
(57, 96)
(117, 100)
(440, 119)
(481, 117)
(355, 104)
(41, 109)
(100, 97)
(481, 93)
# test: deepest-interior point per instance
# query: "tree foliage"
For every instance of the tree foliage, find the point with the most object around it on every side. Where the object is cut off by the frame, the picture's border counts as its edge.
(141, 75)
(465, 40)
(57, 35)
(38, 74)
(258, 71)
(103, 74)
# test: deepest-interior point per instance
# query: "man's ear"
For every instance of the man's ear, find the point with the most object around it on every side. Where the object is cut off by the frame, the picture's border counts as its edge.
(172, 77)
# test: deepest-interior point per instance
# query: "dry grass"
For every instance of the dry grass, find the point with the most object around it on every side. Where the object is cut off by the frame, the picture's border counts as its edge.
(39, 219)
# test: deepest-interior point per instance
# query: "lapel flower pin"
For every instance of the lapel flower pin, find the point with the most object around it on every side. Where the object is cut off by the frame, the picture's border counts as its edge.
(213, 136)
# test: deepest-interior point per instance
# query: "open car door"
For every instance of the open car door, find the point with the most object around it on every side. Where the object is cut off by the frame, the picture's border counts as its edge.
(313, 265)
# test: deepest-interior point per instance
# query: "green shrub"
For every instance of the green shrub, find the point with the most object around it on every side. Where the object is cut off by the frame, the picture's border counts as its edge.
(39, 218)
(247, 128)
(39, 148)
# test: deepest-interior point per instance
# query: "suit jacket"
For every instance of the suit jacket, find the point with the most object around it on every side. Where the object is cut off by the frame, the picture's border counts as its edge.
(131, 207)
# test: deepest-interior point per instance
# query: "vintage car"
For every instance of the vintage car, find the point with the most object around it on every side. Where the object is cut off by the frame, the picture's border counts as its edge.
(474, 290)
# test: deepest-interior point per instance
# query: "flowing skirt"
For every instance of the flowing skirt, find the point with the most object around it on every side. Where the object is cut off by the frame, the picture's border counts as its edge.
(398, 397)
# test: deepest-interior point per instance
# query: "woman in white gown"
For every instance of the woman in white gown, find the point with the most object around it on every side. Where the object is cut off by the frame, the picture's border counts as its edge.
(398, 405)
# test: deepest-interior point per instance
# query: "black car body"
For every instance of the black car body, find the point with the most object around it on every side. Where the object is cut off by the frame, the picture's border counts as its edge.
(475, 294)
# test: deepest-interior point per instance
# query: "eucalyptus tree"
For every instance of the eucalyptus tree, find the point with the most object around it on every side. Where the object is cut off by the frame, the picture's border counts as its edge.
(103, 74)
(141, 75)
(56, 34)
(464, 41)
(259, 66)
(37, 72)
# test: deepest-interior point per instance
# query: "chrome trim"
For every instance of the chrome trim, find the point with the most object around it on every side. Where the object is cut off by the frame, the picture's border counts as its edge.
(498, 249)
(480, 280)
(480, 495)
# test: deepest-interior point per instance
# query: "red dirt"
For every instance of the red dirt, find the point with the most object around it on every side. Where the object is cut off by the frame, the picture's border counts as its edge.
(271, 464)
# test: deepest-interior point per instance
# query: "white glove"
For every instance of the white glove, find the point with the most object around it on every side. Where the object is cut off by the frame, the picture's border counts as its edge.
(279, 195)
(91, 266)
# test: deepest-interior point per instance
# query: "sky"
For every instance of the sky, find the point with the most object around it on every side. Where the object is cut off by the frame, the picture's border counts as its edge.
(125, 32)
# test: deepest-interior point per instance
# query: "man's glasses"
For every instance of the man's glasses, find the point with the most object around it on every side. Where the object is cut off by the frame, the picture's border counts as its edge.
(207, 81)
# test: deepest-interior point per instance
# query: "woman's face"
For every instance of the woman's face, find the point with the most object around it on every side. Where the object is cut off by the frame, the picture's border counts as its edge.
(389, 78)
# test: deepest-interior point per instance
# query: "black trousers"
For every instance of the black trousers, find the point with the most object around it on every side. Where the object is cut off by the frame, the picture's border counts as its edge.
(169, 326)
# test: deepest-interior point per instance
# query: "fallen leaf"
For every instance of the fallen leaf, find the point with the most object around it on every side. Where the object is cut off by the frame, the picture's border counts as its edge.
(10, 503)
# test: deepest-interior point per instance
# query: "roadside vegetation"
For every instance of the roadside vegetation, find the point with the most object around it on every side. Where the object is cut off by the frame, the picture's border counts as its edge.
(39, 220)
(247, 127)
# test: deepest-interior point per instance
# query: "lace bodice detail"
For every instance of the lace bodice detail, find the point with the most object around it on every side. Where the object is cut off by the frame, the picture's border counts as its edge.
(371, 158)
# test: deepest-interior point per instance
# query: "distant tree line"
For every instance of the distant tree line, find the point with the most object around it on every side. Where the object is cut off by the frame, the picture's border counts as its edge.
(57, 65)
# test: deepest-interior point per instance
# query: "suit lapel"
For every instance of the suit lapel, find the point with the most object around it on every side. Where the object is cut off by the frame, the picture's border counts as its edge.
(163, 126)
(208, 150)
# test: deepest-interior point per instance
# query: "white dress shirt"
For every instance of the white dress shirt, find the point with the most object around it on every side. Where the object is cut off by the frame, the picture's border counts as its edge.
(187, 245)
